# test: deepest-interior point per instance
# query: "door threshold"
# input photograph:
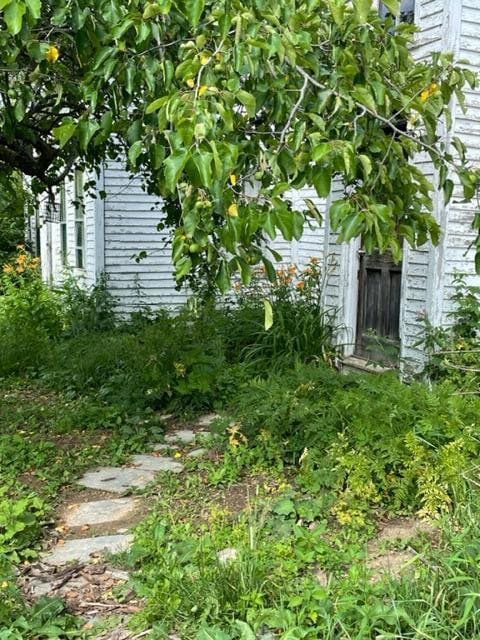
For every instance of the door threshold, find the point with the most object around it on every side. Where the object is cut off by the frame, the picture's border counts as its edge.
(358, 364)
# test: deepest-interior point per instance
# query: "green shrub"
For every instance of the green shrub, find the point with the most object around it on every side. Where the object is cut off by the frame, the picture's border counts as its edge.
(21, 520)
(170, 361)
(373, 441)
(30, 315)
(454, 352)
(86, 309)
(302, 328)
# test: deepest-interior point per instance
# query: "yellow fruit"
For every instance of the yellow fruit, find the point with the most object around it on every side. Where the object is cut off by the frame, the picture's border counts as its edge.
(233, 211)
(203, 90)
(204, 58)
(191, 83)
(233, 179)
(52, 54)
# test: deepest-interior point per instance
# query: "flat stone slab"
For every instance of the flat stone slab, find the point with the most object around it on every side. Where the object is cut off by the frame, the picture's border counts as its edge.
(100, 511)
(164, 447)
(206, 420)
(186, 436)
(116, 479)
(81, 550)
(228, 555)
(196, 453)
(157, 463)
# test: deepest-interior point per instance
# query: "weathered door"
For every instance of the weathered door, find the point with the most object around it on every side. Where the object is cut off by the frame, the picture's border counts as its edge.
(378, 319)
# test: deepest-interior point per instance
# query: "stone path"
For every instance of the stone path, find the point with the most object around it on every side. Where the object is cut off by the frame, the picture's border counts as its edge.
(74, 566)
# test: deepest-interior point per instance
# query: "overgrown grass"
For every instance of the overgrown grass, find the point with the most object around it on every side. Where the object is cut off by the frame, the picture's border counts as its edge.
(337, 454)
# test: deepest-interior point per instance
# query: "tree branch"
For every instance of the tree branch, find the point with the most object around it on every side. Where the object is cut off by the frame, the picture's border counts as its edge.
(296, 107)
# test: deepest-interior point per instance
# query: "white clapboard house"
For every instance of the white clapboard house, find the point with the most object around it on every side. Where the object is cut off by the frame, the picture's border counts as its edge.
(372, 295)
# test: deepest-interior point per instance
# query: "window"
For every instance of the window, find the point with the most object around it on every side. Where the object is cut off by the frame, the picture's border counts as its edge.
(79, 221)
(407, 11)
(63, 225)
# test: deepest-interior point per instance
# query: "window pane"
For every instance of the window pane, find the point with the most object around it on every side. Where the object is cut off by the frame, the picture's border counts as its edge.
(63, 242)
(79, 234)
(79, 258)
(79, 195)
(63, 204)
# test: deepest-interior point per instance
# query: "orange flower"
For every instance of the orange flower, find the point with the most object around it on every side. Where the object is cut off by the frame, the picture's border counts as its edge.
(301, 285)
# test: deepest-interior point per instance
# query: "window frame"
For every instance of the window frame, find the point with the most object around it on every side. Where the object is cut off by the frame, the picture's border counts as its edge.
(63, 225)
(79, 229)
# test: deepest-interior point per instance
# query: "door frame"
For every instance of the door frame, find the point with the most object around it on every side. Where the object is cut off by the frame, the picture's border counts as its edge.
(350, 264)
(349, 280)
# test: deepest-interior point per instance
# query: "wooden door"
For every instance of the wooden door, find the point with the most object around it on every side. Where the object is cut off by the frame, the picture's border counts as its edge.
(378, 318)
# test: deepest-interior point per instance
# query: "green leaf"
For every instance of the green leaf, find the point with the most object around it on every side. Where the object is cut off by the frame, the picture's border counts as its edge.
(366, 165)
(151, 11)
(34, 7)
(363, 95)
(223, 282)
(194, 10)
(134, 151)
(64, 132)
(245, 629)
(174, 166)
(448, 190)
(337, 7)
(268, 314)
(248, 102)
(393, 6)
(14, 16)
(322, 181)
(320, 151)
(156, 104)
(183, 267)
(86, 131)
(284, 507)
(362, 9)
(203, 162)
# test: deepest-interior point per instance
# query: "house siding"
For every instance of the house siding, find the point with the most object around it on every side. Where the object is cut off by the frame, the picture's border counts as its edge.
(130, 227)
(459, 233)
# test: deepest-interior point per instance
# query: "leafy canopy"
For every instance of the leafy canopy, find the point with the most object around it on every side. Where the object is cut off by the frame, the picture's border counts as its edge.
(226, 106)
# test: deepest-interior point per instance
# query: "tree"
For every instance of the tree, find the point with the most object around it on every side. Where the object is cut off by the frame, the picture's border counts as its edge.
(228, 105)
(12, 215)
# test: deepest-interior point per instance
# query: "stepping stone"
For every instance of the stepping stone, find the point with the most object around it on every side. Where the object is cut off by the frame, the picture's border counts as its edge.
(206, 421)
(101, 511)
(81, 550)
(164, 447)
(157, 463)
(196, 453)
(228, 555)
(186, 436)
(116, 479)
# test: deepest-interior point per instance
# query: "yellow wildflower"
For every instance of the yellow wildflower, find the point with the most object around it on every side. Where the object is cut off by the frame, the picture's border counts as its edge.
(8, 268)
(233, 179)
(191, 83)
(233, 211)
(236, 437)
(205, 58)
(52, 54)
(203, 90)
